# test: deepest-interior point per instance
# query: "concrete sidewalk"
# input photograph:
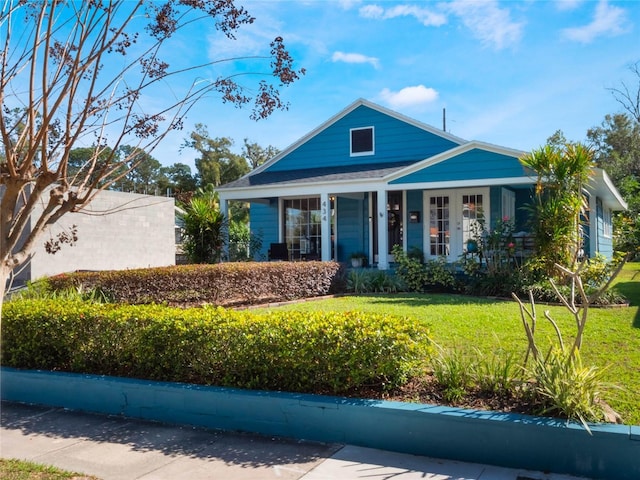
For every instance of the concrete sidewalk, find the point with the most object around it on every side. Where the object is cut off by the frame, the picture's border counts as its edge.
(115, 448)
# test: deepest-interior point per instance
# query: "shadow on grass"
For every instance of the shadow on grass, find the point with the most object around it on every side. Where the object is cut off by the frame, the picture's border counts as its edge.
(424, 299)
(631, 291)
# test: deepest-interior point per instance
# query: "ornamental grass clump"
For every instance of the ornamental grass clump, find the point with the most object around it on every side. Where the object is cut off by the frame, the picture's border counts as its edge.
(564, 387)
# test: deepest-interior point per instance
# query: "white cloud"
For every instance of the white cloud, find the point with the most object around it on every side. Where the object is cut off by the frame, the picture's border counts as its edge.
(489, 23)
(355, 58)
(409, 96)
(427, 17)
(607, 20)
(565, 5)
(348, 4)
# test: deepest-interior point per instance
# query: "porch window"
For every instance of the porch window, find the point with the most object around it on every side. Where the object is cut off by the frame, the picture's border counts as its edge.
(362, 141)
(303, 228)
(606, 221)
(472, 217)
(439, 235)
(508, 204)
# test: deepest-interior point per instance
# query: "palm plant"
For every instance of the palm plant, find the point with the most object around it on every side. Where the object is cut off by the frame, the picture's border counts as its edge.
(559, 205)
(204, 228)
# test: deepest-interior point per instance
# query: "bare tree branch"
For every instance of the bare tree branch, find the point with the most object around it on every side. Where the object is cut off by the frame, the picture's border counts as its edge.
(60, 90)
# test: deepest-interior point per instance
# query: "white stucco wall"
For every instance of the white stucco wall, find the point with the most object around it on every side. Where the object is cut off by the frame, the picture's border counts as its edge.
(115, 231)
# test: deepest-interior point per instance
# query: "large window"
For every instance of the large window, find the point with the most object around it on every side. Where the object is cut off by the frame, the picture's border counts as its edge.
(362, 141)
(303, 228)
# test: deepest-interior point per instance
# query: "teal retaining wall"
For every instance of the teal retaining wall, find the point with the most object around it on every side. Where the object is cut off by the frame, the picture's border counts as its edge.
(509, 440)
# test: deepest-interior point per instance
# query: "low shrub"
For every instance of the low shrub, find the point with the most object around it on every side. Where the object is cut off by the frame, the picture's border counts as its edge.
(544, 292)
(373, 281)
(459, 374)
(220, 284)
(329, 353)
(420, 277)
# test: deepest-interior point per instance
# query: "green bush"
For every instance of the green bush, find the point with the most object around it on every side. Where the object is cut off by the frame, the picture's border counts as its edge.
(373, 281)
(420, 277)
(329, 353)
(220, 284)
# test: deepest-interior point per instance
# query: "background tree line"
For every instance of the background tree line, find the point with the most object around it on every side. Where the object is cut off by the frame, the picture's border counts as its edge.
(215, 165)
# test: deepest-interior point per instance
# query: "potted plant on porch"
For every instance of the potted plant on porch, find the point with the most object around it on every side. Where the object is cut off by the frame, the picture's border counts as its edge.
(358, 259)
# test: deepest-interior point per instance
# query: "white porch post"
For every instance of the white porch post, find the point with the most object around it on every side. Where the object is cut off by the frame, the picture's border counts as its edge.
(224, 209)
(593, 225)
(325, 227)
(383, 237)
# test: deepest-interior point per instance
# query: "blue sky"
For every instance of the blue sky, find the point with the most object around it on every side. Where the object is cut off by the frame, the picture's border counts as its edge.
(507, 72)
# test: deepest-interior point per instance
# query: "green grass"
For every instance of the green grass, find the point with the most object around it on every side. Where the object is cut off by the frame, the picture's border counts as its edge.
(11, 469)
(612, 336)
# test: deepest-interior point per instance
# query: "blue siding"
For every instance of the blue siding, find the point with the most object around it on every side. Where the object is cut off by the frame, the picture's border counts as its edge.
(415, 231)
(351, 228)
(264, 223)
(394, 141)
(470, 165)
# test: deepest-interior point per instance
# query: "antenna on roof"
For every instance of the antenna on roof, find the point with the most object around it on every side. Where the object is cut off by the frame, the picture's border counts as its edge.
(444, 119)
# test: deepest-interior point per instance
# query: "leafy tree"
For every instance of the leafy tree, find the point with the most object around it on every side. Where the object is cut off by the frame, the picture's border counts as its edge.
(74, 73)
(81, 158)
(142, 171)
(216, 164)
(177, 178)
(617, 146)
(256, 155)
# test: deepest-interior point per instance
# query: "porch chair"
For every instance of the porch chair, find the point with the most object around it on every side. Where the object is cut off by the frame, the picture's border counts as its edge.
(278, 252)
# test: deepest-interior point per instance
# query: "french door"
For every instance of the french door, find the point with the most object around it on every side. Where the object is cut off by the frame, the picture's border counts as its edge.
(452, 217)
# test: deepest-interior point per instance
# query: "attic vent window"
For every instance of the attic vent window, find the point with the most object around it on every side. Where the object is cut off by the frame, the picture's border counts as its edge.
(362, 141)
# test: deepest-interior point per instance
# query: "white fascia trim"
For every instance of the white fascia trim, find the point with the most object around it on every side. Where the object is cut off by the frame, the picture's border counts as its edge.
(480, 182)
(612, 188)
(472, 145)
(351, 186)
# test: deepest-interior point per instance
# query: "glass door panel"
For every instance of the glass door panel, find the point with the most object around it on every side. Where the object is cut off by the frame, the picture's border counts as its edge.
(439, 232)
(472, 215)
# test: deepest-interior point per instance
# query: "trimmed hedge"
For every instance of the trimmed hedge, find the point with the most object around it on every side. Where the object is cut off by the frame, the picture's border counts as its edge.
(331, 353)
(242, 283)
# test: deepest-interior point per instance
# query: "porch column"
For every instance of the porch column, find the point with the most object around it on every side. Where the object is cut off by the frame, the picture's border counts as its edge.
(383, 237)
(224, 210)
(325, 226)
(592, 225)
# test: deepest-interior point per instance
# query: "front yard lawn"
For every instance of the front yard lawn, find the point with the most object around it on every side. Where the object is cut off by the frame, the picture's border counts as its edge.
(611, 340)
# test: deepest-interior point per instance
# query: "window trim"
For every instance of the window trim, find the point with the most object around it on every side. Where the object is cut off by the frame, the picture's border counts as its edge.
(607, 218)
(373, 142)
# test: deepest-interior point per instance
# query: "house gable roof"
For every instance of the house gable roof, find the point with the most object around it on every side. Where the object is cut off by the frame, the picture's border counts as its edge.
(399, 139)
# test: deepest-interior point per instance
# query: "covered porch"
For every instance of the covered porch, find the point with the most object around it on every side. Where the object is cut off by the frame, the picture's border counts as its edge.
(340, 221)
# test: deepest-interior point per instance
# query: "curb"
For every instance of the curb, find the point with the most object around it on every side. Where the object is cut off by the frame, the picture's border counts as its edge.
(501, 439)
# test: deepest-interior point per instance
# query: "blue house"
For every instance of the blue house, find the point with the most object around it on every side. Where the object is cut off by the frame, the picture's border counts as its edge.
(370, 178)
